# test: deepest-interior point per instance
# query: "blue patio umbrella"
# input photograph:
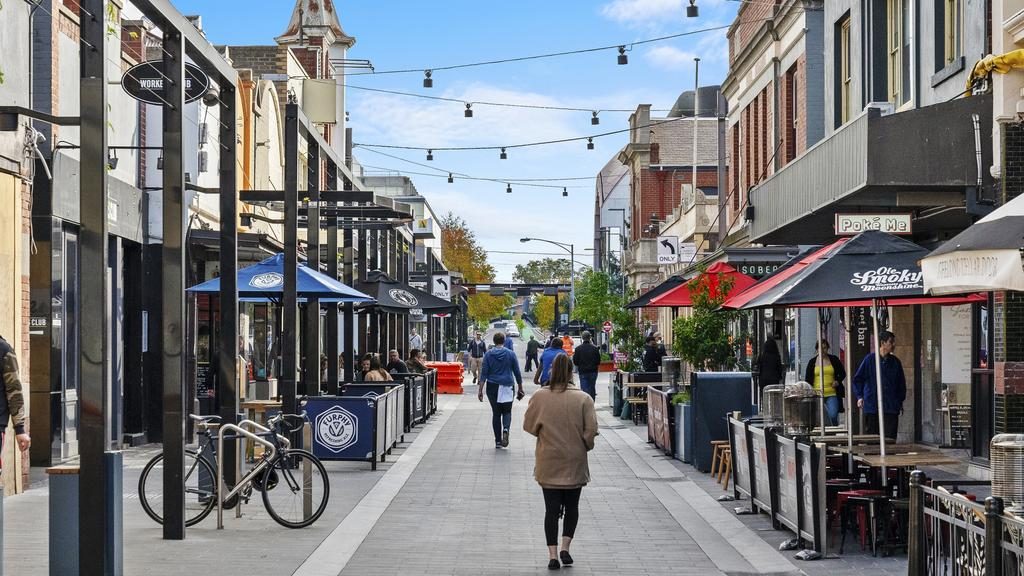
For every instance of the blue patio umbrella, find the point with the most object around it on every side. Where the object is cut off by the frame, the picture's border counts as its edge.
(265, 281)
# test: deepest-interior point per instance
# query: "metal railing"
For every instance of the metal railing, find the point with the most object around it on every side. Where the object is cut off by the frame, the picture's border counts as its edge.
(239, 434)
(951, 535)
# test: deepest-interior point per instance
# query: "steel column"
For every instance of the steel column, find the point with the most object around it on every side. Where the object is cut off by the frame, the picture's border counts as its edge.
(332, 271)
(311, 372)
(172, 330)
(289, 302)
(229, 345)
(94, 321)
(349, 315)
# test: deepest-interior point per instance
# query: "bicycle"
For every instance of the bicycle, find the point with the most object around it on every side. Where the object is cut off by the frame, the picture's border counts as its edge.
(293, 483)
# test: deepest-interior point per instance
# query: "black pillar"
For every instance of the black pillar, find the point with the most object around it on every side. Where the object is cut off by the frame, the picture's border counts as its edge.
(172, 328)
(349, 315)
(228, 346)
(311, 374)
(332, 271)
(289, 302)
(94, 499)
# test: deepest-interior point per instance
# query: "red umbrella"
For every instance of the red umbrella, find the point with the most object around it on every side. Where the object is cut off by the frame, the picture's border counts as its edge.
(713, 276)
(740, 299)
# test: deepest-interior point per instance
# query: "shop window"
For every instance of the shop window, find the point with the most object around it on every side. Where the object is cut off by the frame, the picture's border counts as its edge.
(843, 77)
(950, 24)
(898, 27)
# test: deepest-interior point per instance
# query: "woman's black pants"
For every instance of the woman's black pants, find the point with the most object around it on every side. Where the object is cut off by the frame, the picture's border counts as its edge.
(558, 503)
(501, 412)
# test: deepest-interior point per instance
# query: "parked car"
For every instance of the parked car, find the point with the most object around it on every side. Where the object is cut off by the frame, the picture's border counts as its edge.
(512, 331)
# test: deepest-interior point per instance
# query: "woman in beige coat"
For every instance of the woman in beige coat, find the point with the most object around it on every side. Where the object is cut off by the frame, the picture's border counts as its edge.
(563, 419)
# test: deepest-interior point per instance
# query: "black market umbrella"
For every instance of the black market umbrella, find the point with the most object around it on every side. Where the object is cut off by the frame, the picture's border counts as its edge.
(398, 298)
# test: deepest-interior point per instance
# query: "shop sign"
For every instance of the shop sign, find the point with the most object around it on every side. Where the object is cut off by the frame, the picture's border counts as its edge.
(336, 429)
(668, 249)
(145, 82)
(758, 270)
(853, 224)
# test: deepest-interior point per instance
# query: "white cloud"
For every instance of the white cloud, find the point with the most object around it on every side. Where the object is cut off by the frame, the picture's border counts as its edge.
(642, 11)
(670, 57)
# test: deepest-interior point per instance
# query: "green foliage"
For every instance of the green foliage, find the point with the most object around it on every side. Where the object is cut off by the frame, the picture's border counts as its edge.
(702, 339)
(544, 311)
(595, 300)
(521, 324)
(546, 271)
(627, 334)
(681, 397)
(461, 253)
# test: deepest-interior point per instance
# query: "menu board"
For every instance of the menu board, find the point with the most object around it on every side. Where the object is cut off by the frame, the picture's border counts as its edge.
(956, 344)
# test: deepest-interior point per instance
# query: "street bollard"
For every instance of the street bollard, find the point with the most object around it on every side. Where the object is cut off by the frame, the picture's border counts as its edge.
(63, 520)
(307, 472)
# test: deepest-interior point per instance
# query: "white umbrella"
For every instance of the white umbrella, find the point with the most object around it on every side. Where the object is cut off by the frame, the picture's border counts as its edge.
(984, 257)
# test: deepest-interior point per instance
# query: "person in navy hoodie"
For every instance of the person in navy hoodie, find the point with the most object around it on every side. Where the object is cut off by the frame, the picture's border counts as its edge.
(894, 387)
(498, 375)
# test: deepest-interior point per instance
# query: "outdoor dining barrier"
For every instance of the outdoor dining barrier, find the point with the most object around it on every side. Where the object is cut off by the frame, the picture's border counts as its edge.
(783, 477)
(659, 419)
(363, 424)
(713, 395)
(415, 398)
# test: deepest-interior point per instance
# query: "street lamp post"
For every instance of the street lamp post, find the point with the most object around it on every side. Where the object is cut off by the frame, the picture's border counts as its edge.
(572, 268)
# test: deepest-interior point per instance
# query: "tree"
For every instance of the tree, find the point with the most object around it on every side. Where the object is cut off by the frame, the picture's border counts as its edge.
(546, 271)
(595, 298)
(544, 310)
(702, 338)
(461, 253)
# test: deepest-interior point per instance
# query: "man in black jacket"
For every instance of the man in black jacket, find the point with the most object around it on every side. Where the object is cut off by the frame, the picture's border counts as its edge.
(587, 358)
(531, 354)
(12, 401)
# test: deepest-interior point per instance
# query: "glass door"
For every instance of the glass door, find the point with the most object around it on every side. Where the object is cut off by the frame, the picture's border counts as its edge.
(982, 381)
(69, 329)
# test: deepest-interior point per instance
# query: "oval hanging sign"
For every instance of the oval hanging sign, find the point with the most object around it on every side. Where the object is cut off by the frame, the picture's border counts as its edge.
(145, 82)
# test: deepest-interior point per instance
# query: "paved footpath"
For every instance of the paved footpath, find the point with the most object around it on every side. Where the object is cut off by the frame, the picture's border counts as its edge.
(449, 503)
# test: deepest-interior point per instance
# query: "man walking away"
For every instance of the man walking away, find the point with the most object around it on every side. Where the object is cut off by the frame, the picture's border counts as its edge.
(395, 364)
(498, 375)
(508, 343)
(894, 387)
(12, 403)
(531, 354)
(587, 359)
(546, 358)
(477, 348)
(415, 340)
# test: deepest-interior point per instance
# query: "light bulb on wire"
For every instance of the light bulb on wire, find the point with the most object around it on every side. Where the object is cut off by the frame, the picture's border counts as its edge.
(691, 10)
(565, 191)
(451, 178)
(623, 59)
(430, 155)
(428, 82)
(503, 156)
(590, 143)
(469, 110)
(594, 120)
(509, 189)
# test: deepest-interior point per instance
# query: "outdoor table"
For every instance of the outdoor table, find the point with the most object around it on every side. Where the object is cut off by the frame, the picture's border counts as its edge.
(913, 460)
(843, 439)
(871, 449)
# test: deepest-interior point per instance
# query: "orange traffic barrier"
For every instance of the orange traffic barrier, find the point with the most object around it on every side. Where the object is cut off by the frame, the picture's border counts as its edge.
(449, 376)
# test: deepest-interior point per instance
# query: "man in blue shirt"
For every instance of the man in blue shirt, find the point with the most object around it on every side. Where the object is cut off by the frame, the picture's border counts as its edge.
(500, 372)
(508, 342)
(894, 387)
(546, 358)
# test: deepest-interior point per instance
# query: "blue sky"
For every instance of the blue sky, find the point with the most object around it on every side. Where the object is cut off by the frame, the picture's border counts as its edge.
(420, 34)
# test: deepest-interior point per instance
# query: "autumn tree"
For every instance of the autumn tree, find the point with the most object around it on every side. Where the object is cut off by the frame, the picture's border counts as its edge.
(461, 253)
(546, 271)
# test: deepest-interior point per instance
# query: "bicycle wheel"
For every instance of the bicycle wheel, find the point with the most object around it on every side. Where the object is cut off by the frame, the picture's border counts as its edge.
(298, 495)
(200, 488)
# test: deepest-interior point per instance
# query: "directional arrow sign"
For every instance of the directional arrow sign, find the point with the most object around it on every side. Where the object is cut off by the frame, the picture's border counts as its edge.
(441, 286)
(667, 253)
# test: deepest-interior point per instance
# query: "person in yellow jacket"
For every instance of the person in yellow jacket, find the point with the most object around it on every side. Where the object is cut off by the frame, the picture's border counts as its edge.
(831, 387)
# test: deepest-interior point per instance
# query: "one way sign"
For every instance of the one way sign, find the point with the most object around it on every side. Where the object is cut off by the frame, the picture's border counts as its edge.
(668, 249)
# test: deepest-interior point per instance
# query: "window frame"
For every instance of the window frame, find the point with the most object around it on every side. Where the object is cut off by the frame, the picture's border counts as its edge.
(845, 73)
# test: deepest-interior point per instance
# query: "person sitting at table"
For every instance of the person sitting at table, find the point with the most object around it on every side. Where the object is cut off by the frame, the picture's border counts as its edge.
(395, 364)
(831, 388)
(363, 368)
(416, 362)
(894, 387)
(377, 373)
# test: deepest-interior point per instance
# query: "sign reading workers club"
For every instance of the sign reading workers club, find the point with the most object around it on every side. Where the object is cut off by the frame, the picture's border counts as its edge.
(145, 82)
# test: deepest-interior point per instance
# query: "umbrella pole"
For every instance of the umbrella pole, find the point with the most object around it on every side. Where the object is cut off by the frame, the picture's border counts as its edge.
(849, 394)
(878, 388)
(821, 375)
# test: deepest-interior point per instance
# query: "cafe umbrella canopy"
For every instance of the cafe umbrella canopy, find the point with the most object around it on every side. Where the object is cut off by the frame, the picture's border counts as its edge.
(985, 256)
(716, 273)
(871, 269)
(264, 281)
(397, 298)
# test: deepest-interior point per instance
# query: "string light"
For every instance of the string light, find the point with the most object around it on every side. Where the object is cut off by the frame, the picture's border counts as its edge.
(565, 191)
(428, 82)
(430, 155)
(594, 120)
(691, 10)
(623, 59)
(469, 110)
(590, 143)
(509, 189)
(451, 178)
(503, 156)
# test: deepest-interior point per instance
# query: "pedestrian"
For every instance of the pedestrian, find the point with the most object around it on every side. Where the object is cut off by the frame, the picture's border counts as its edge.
(553, 350)
(395, 364)
(477, 348)
(415, 362)
(508, 343)
(415, 340)
(498, 374)
(769, 366)
(831, 386)
(587, 359)
(652, 355)
(567, 344)
(12, 402)
(661, 345)
(563, 419)
(531, 354)
(894, 387)
(376, 373)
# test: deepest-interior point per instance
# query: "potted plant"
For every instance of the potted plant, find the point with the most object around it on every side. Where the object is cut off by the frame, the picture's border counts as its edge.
(682, 438)
(606, 365)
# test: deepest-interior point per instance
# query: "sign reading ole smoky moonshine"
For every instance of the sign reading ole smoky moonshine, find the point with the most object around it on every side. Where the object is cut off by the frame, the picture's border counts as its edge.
(887, 278)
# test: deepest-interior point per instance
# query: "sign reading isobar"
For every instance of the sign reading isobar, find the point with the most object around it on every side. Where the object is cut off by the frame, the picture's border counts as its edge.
(853, 224)
(145, 82)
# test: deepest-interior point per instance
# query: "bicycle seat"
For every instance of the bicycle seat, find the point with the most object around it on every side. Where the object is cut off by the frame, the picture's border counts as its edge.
(205, 419)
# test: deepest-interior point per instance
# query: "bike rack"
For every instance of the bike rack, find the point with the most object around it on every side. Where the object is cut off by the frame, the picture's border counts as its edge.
(241, 433)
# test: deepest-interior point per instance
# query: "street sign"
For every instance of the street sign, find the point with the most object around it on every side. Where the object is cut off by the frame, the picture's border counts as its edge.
(441, 286)
(687, 252)
(853, 224)
(668, 249)
(145, 82)
(607, 327)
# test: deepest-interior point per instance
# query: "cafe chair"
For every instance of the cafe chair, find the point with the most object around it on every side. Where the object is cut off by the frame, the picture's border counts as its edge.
(716, 455)
(725, 468)
(859, 505)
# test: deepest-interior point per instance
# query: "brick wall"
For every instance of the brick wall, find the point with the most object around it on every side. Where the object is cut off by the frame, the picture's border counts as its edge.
(1008, 313)
(801, 105)
(749, 20)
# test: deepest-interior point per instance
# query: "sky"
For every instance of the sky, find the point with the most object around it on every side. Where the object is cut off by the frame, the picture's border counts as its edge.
(418, 34)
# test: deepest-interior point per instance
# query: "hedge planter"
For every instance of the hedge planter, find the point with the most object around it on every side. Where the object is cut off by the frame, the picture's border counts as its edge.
(608, 366)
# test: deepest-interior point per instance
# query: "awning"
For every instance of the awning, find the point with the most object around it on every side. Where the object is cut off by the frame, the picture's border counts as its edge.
(265, 281)
(395, 297)
(986, 256)
(680, 295)
(644, 299)
(790, 268)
